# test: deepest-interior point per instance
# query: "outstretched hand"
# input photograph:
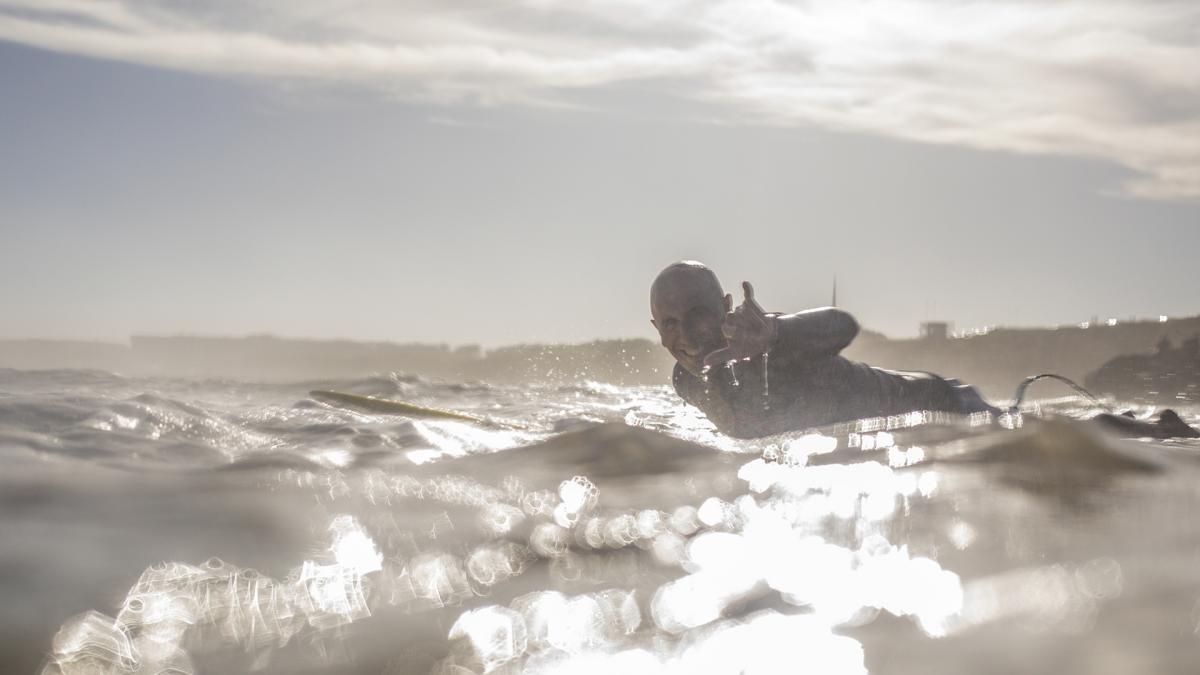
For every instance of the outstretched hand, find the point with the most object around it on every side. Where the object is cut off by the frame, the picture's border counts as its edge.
(748, 331)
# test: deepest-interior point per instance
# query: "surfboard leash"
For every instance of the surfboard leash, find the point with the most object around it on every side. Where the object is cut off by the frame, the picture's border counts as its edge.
(1021, 388)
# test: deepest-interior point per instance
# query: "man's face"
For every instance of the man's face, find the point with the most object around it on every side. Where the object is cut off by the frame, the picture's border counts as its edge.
(688, 316)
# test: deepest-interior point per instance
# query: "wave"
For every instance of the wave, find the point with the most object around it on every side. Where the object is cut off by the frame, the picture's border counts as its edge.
(607, 541)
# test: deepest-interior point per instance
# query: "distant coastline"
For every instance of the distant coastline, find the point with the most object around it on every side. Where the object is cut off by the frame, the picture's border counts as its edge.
(994, 361)
(272, 358)
(997, 360)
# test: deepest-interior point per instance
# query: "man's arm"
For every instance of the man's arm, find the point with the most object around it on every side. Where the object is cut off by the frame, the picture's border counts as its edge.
(751, 332)
(812, 334)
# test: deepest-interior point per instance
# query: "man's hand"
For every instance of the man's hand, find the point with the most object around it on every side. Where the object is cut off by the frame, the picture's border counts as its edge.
(748, 331)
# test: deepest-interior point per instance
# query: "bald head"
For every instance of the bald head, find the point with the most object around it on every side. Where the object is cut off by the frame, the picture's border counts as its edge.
(687, 306)
(686, 274)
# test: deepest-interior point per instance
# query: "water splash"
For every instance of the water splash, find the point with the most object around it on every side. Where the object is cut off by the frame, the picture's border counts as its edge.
(766, 381)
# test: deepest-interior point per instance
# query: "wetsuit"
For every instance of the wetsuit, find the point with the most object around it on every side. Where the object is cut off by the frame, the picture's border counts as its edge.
(808, 384)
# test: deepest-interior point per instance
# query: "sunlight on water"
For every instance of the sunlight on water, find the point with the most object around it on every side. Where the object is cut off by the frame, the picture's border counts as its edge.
(172, 600)
(744, 549)
(782, 562)
(727, 553)
(93, 643)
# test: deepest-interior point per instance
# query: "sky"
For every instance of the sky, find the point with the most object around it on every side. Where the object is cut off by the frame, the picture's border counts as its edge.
(500, 172)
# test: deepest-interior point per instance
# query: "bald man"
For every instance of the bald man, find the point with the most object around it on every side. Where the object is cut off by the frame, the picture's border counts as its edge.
(787, 372)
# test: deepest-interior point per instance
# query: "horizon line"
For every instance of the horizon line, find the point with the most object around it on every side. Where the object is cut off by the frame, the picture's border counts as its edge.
(1094, 322)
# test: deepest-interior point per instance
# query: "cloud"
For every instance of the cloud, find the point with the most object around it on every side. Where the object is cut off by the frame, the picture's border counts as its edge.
(1110, 79)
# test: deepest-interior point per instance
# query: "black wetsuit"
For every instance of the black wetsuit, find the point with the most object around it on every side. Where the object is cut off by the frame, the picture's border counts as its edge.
(808, 384)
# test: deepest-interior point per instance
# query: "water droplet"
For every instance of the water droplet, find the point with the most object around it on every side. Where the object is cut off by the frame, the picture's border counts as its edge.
(732, 374)
(766, 382)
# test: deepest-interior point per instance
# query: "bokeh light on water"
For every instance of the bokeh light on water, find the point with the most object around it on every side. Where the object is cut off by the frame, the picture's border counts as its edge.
(816, 549)
(764, 543)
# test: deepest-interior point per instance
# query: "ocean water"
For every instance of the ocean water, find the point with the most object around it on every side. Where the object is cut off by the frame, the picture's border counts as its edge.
(189, 526)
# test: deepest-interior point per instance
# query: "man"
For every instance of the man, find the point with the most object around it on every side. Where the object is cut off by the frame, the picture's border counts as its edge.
(755, 373)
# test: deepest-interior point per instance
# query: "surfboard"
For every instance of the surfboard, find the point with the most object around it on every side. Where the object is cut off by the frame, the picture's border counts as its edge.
(393, 407)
